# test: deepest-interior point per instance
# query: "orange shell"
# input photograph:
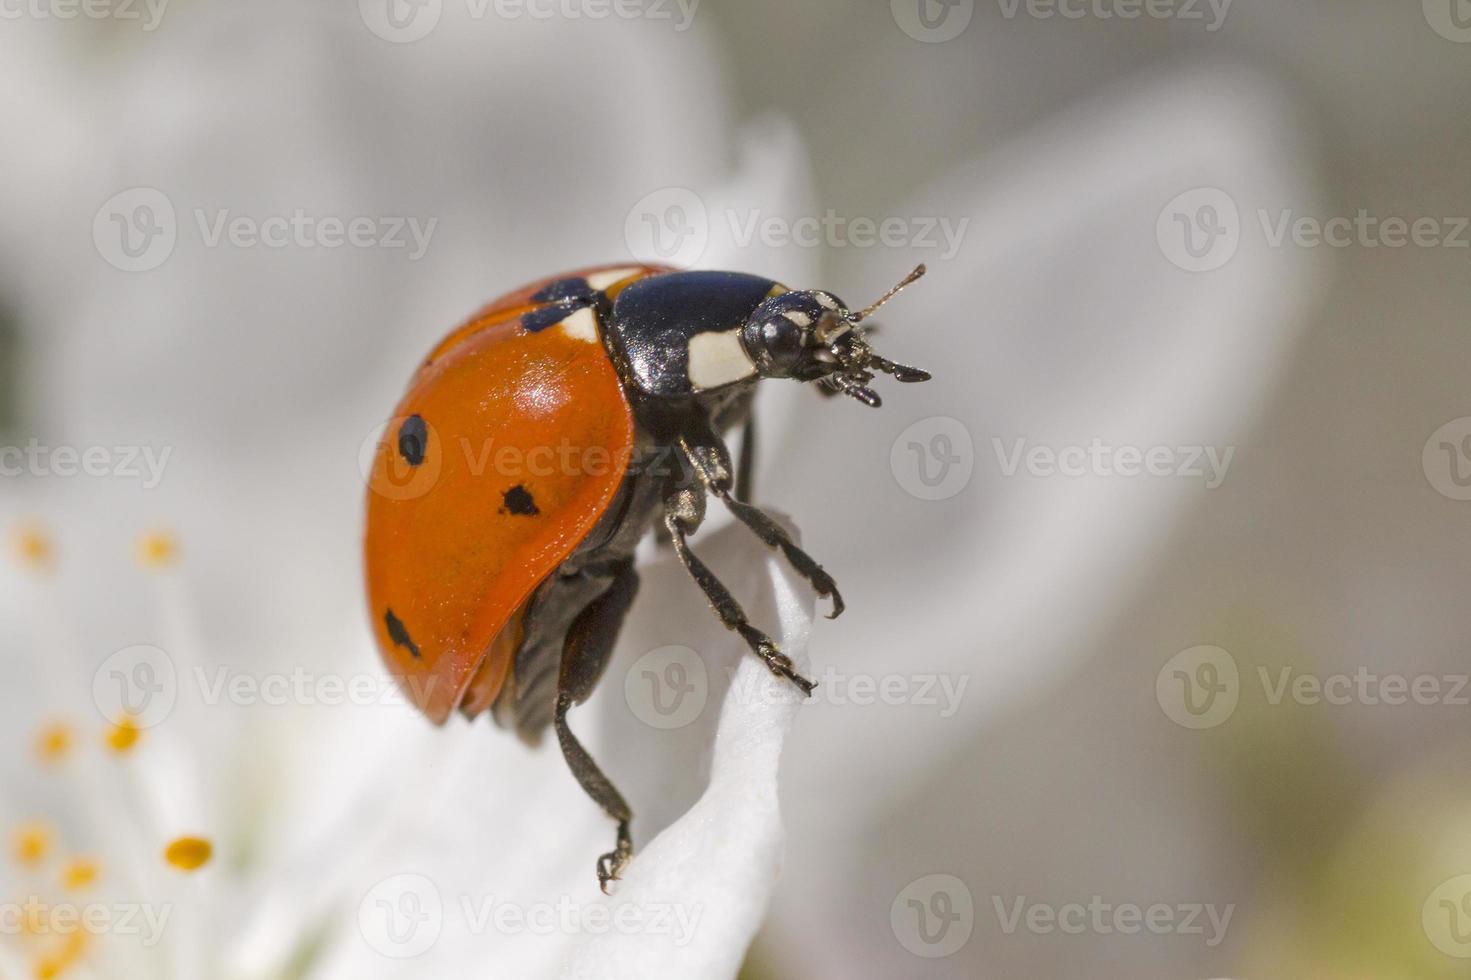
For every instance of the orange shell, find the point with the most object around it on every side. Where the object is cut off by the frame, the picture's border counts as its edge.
(527, 439)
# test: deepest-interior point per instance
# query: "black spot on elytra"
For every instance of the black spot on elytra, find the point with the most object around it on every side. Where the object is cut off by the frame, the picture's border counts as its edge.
(413, 440)
(574, 287)
(399, 633)
(549, 316)
(518, 500)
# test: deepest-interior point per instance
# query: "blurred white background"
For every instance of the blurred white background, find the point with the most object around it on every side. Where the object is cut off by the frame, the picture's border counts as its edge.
(1084, 716)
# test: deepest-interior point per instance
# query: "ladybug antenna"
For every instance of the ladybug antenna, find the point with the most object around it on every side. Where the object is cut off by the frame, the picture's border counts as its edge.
(868, 310)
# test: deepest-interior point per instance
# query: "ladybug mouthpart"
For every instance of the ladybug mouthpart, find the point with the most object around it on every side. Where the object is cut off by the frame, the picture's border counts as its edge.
(857, 361)
(857, 364)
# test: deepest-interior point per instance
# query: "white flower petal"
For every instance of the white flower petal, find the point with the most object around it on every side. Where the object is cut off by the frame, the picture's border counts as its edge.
(513, 834)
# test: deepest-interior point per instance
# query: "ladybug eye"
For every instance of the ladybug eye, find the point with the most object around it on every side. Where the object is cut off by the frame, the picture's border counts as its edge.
(784, 341)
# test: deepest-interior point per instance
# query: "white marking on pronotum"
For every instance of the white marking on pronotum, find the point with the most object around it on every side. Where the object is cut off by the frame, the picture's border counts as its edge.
(581, 325)
(798, 317)
(602, 280)
(827, 301)
(718, 359)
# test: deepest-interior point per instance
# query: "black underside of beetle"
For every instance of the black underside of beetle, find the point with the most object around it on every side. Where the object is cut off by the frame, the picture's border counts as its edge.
(571, 623)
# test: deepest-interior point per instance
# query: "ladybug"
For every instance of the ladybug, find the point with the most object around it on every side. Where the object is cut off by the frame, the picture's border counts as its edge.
(533, 450)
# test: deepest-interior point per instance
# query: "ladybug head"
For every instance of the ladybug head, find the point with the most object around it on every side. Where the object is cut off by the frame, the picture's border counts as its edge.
(810, 335)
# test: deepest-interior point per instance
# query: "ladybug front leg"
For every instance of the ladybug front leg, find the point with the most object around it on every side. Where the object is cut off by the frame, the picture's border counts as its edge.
(684, 509)
(710, 459)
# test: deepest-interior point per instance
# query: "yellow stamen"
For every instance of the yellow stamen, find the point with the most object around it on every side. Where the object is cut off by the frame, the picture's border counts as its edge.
(54, 742)
(124, 735)
(158, 549)
(32, 844)
(189, 853)
(53, 965)
(79, 874)
(33, 546)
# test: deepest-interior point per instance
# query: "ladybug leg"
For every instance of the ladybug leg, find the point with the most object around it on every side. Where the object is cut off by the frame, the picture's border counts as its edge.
(684, 509)
(711, 462)
(745, 483)
(585, 653)
(603, 792)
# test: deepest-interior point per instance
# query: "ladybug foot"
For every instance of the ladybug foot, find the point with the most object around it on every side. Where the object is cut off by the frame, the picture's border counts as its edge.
(611, 865)
(823, 585)
(782, 665)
